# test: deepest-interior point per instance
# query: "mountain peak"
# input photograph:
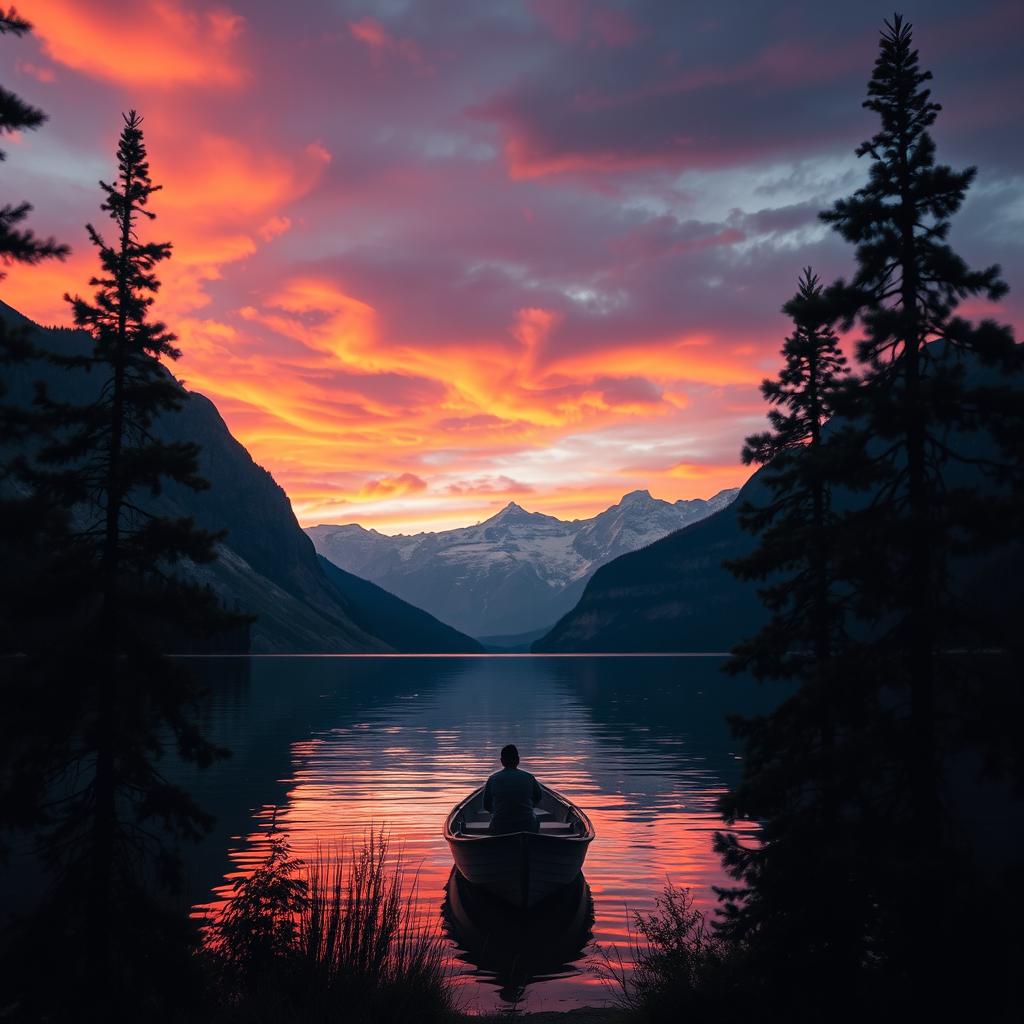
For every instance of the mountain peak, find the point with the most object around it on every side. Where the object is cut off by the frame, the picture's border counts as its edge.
(639, 497)
(515, 571)
(511, 511)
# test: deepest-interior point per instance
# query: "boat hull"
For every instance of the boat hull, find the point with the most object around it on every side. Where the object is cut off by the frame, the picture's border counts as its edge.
(521, 868)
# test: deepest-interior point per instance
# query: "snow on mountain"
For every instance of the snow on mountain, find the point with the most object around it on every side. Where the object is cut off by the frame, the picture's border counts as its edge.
(515, 572)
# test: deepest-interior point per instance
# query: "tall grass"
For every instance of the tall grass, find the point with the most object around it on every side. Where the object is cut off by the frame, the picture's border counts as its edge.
(358, 933)
(344, 941)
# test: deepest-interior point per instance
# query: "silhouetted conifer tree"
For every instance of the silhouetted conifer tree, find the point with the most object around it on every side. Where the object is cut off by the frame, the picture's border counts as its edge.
(936, 387)
(115, 810)
(941, 416)
(920, 412)
(928, 478)
(796, 778)
(794, 527)
(19, 244)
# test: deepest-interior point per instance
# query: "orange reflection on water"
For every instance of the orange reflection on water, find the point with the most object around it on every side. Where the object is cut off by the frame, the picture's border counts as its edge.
(651, 794)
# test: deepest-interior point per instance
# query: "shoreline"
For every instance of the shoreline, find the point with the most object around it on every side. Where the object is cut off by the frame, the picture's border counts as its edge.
(579, 1015)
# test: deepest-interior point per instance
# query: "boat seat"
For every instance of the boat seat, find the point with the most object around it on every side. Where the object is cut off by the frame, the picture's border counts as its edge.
(486, 815)
(557, 827)
(483, 821)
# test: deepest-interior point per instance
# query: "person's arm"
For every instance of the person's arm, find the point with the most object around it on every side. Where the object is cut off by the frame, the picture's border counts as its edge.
(488, 801)
(537, 794)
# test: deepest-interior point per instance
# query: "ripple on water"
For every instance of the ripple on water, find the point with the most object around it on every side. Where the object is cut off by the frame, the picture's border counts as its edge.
(355, 744)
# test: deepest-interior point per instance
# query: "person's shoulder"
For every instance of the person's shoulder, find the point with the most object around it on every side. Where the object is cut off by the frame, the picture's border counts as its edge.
(522, 771)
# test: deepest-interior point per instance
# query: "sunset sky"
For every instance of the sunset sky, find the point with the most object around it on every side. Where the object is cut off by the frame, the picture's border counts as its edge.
(430, 257)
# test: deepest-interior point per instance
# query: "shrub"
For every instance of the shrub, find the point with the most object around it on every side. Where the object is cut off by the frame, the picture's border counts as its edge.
(675, 963)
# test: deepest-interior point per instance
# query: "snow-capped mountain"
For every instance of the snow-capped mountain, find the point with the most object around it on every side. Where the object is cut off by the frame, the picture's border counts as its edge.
(515, 572)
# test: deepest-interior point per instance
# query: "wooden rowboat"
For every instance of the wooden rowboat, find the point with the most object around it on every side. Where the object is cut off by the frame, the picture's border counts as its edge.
(521, 868)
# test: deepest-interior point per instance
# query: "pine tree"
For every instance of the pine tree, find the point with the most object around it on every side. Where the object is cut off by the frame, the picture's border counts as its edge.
(110, 828)
(926, 481)
(940, 405)
(916, 400)
(19, 244)
(795, 777)
(794, 526)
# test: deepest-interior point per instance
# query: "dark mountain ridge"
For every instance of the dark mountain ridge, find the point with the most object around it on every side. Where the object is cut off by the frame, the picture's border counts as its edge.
(672, 595)
(266, 564)
(408, 629)
(675, 594)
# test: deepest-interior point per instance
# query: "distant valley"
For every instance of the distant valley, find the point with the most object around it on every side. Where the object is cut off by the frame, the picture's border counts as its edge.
(514, 573)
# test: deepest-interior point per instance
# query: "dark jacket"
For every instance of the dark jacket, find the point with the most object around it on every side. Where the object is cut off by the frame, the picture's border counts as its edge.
(511, 795)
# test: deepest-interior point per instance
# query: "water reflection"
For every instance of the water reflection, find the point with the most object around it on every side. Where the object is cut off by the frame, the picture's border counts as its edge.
(513, 948)
(342, 745)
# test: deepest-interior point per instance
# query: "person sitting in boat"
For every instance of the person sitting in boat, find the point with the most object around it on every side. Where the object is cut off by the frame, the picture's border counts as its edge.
(511, 795)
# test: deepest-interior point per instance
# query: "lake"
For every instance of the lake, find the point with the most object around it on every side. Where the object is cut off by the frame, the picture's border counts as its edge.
(326, 748)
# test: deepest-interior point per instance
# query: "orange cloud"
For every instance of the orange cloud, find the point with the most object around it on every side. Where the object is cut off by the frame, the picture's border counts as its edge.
(226, 177)
(531, 330)
(696, 358)
(491, 390)
(525, 160)
(158, 43)
(493, 396)
(391, 487)
(320, 316)
(706, 475)
(222, 197)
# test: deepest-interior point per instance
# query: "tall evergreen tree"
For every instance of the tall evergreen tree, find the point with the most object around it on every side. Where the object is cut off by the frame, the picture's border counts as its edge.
(941, 410)
(794, 527)
(116, 811)
(795, 778)
(916, 400)
(925, 481)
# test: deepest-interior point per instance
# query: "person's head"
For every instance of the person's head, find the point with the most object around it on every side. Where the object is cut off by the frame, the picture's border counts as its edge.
(510, 756)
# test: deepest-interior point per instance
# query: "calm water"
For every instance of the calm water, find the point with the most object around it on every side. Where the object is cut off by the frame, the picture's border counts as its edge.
(330, 747)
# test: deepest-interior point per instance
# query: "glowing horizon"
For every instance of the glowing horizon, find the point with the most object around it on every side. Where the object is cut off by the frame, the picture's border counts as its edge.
(394, 518)
(427, 262)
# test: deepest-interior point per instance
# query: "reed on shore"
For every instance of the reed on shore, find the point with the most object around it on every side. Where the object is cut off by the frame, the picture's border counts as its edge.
(336, 938)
